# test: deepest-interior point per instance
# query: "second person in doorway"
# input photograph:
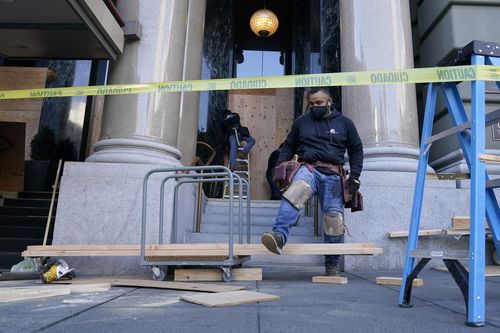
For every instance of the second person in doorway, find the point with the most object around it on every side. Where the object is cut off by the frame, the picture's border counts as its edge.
(236, 134)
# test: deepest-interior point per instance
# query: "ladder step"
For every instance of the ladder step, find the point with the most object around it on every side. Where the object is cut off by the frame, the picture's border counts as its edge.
(493, 183)
(489, 158)
(448, 176)
(492, 117)
(450, 131)
(441, 254)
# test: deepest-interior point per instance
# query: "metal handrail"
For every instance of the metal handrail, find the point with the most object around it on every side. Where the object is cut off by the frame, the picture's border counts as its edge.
(240, 233)
(226, 172)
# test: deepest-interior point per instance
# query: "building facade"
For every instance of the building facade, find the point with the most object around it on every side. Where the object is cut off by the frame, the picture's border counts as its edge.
(176, 40)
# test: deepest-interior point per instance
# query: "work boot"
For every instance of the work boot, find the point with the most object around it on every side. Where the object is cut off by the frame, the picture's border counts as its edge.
(272, 241)
(332, 269)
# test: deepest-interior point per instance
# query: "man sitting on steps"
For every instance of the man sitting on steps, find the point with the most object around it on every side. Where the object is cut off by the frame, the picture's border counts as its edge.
(232, 127)
(320, 138)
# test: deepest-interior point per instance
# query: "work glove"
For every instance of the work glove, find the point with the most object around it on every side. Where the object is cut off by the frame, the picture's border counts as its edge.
(353, 185)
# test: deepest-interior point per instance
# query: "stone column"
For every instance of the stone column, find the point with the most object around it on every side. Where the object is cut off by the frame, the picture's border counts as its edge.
(376, 35)
(143, 128)
(189, 108)
(100, 201)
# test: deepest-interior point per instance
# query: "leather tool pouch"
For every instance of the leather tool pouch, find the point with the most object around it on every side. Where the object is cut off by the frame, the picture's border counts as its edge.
(356, 202)
(284, 173)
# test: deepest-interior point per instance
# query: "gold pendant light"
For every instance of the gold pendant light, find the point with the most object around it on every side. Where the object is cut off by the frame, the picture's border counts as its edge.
(264, 23)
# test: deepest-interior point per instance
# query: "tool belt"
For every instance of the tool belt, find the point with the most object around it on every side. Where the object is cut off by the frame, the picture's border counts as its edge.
(338, 169)
(353, 201)
(283, 174)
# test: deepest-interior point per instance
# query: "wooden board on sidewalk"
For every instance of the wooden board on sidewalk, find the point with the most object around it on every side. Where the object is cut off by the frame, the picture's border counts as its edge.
(215, 274)
(146, 282)
(396, 281)
(212, 288)
(329, 279)
(26, 293)
(193, 250)
(229, 298)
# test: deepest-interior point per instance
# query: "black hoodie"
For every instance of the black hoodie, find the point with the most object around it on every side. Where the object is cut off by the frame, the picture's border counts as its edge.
(324, 140)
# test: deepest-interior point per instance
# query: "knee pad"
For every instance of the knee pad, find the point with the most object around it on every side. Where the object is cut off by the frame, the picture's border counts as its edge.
(333, 224)
(298, 193)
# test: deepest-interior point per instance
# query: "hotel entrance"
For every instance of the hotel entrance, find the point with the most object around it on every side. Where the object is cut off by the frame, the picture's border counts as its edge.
(245, 39)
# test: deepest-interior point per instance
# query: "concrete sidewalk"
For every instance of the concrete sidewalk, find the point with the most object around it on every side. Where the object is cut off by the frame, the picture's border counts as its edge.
(359, 306)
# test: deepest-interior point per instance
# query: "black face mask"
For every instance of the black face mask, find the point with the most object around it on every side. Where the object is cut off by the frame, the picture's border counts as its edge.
(319, 112)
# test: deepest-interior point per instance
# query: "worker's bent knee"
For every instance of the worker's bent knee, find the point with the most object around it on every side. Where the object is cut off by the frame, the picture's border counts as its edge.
(298, 193)
(333, 224)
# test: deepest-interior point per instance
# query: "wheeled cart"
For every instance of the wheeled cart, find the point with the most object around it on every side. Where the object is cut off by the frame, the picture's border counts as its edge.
(193, 257)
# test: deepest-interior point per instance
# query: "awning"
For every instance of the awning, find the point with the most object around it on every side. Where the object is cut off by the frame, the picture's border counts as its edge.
(59, 29)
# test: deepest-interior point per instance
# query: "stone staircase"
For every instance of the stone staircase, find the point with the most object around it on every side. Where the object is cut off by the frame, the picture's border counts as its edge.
(23, 218)
(214, 229)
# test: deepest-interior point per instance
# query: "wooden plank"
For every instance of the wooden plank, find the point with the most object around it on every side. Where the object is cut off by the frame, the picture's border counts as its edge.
(329, 279)
(214, 274)
(214, 249)
(90, 288)
(212, 288)
(404, 233)
(463, 222)
(457, 232)
(396, 281)
(89, 280)
(57, 285)
(229, 298)
(19, 294)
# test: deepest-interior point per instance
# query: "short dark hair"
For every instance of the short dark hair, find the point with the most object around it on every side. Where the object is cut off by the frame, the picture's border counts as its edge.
(314, 90)
(226, 111)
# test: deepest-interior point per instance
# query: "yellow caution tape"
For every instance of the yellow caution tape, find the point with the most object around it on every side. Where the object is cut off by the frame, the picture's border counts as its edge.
(415, 75)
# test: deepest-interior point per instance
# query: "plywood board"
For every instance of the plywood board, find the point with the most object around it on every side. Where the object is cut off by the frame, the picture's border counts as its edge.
(89, 288)
(13, 78)
(19, 294)
(22, 110)
(211, 249)
(214, 274)
(330, 279)
(396, 281)
(268, 113)
(212, 288)
(229, 298)
(404, 233)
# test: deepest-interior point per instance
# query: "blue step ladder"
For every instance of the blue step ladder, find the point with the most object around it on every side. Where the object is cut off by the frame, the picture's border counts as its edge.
(471, 137)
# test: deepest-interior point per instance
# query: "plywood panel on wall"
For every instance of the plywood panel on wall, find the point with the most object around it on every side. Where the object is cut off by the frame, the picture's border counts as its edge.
(268, 113)
(25, 111)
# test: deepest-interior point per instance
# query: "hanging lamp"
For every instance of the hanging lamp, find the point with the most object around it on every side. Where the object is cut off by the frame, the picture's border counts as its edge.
(264, 22)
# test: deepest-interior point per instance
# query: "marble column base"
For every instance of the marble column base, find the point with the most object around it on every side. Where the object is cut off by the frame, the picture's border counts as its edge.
(101, 204)
(388, 198)
(135, 149)
(400, 159)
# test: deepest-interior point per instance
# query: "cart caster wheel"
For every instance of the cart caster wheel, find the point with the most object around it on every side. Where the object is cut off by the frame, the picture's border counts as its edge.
(227, 275)
(495, 257)
(158, 274)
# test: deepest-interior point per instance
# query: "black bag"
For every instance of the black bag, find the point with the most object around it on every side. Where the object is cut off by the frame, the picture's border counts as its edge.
(244, 132)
